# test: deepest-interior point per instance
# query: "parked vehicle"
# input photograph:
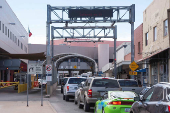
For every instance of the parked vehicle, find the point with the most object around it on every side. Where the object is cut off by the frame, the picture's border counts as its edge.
(71, 86)
(78, 91)
(130, 85)
(116, 102)
(43, 84)
(90, 91)
(63, 82)
(155, 100)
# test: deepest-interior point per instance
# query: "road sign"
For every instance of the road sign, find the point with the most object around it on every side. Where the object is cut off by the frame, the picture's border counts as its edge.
(75, 67)
(48, 69)
(34, 69)
(48, 78)
(133, 66)
(132, 73)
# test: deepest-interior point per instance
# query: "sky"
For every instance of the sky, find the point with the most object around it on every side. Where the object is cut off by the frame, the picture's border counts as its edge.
(33, 13)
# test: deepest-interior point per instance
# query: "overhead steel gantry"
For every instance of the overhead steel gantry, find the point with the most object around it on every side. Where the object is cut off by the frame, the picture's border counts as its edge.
(75, 14)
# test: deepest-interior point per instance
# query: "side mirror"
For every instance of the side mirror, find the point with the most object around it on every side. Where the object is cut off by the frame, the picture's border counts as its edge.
(137, 99)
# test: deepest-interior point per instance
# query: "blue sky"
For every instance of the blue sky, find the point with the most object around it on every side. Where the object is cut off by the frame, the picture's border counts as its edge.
(32, 13)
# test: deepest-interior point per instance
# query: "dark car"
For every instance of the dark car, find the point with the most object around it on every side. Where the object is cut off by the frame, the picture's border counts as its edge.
(155, 100)
(63, 82)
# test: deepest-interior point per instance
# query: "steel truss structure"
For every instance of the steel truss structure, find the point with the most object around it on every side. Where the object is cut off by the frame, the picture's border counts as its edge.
(59, 15)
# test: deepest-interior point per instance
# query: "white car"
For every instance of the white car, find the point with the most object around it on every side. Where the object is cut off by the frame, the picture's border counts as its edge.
(71, 86)
(78, 91)
(42, 84)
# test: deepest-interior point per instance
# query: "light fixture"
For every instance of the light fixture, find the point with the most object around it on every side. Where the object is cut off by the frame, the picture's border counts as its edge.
(12, 23)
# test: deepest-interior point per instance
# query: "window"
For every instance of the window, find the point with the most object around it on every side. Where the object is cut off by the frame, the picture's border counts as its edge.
(8, 33)
(18, 42)
(3, 28)
(166, 27)
(21, 46)
(0, 25)
(105, 83)
(148, 94)
(154, 33)
(138, 47)
(157, 94)
(11, 35)
(146, 39)
(76, 80)
(15, 39)
(128, 83)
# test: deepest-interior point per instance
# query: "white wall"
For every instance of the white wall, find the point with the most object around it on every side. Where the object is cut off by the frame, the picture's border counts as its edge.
(103, 55)
(11, 45)
(120, 55)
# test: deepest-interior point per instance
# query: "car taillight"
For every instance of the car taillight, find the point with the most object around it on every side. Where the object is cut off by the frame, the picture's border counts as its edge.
(90, 93)
(114, 103)
(67, 88)
(169, 108)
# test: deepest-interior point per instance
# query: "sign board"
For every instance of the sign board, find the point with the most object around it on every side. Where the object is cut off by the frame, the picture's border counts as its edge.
(48, 78)
(48, 69)
(34, 69)
(132, 73)
(133, 66)
(80, 13)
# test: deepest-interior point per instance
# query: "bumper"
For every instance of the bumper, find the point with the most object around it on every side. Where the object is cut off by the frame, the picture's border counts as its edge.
(70, 94)
(91, 100)
(117, 109)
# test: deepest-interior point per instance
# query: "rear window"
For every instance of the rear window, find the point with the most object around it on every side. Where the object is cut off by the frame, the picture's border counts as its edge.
(109, 83)
(76, 80)
(128, 83)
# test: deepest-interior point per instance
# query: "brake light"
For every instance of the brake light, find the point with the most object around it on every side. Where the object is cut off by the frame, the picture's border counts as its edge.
(90, 93)
(169, 108)
(67, 88)
(114, 103)
(105, 78)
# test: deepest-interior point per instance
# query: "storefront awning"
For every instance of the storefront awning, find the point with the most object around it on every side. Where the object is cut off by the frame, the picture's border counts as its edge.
(31, 56)
(141, 70)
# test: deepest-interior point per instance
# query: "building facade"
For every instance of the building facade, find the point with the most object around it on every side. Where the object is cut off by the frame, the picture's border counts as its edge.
(13, 40)
(156, 41)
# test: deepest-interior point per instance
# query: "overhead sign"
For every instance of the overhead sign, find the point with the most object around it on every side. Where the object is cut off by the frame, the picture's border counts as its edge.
(133, 66)
(75, 13)
(132, 73)
(48, 69)
(34, 69)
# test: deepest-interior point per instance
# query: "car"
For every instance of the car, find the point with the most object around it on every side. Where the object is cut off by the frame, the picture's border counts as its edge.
(43, 84)
(155, 100)
(71, 86)
(80, 86)
(63, 82)
(90, 91)
(130, 85)
(117, 102)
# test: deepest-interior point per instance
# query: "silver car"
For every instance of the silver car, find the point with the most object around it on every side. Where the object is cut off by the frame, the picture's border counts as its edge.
(71, 86)
(80, 86)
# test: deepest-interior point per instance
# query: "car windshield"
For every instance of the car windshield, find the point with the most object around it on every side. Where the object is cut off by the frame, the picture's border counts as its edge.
(121, 94)
(76, 80)
(109, 83)
(128, 83)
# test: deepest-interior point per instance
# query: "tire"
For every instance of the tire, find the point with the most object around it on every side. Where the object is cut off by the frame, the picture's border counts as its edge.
(75, 102)
(78, 103)
(63, 96)
(86, 106)
(39, 86)
(103, 110)
(61, 91)
(95, 109)
(67, 98)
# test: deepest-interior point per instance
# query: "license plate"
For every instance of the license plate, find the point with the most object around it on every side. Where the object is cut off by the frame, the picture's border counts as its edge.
(127, 109)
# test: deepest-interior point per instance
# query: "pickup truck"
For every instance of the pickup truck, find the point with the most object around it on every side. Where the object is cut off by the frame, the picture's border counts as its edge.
(130, 85)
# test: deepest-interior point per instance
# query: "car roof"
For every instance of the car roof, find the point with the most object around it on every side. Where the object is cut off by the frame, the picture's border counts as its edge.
(163, 84)
(126, 79)
(77, 77)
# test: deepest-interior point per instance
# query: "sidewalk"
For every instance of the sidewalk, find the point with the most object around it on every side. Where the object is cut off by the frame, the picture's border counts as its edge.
(21, 107)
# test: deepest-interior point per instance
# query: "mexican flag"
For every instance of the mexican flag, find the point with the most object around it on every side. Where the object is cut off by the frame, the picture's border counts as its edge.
(29, 32)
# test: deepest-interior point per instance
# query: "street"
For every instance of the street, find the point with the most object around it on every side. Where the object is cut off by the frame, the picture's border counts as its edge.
(56, 100)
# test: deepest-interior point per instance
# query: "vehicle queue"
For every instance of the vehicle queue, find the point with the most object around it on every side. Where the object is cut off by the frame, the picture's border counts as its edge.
(108, 95)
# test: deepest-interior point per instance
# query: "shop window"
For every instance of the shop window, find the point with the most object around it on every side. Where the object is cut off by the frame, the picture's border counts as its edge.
(146, 39)
(154, 33)
(3, 28)
(166, 27)
(11, 35)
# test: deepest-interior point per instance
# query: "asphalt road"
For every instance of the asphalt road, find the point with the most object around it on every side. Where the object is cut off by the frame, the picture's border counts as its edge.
(56, 99)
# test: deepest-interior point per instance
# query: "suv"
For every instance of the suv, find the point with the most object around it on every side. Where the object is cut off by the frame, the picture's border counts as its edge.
(155, 100)
(130, 85)
(71, 86)
(92, 90)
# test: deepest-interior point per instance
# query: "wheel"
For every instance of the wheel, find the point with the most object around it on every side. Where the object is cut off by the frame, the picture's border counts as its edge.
(67, 98)
(86, 106)
(63, 96)
(39, 86)
(78, 103)
(61, 91)
(103, 110)
(75, 102)
(95, 109)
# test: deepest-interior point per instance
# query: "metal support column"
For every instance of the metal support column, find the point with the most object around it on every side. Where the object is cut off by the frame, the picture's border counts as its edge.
(115, 37)
(48, 55)
(52, 51)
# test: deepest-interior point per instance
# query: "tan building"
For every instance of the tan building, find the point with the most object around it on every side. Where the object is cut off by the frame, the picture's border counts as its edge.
(156, 41)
